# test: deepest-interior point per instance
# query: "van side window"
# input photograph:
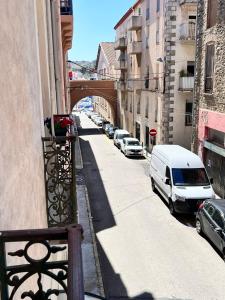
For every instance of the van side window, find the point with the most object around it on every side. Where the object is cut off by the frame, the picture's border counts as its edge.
(168, 172)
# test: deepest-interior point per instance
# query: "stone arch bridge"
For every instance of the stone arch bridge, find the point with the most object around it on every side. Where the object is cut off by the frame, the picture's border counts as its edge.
(80, 89)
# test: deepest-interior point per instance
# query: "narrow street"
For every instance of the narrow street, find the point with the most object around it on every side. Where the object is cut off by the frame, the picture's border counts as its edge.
(144, 252)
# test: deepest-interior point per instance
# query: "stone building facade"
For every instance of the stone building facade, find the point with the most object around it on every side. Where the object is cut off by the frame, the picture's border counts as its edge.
(156, 63)
(209, 93)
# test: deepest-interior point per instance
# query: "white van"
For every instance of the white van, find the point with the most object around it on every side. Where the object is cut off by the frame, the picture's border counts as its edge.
(180, 177)
(119, 135)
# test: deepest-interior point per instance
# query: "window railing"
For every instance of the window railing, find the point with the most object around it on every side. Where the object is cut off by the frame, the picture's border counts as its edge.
(60, 180)
(25, 270)
(66, 7)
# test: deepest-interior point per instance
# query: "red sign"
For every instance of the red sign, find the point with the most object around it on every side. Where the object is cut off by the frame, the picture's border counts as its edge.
(152, 132)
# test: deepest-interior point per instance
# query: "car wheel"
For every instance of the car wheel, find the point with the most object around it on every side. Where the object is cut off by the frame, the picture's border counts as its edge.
(171, 208)
(198, 226)
(153, 185)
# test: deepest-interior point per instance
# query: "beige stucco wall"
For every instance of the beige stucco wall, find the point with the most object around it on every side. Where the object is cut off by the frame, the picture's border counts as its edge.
(21, 163)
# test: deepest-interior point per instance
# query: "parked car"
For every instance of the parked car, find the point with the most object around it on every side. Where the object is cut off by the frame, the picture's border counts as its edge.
(108, 127)
(210, 220)
(104, 123)
(119, 135)
(94, 116)
(180, 177)
(131, 147)
(98, 121)
(110, 132)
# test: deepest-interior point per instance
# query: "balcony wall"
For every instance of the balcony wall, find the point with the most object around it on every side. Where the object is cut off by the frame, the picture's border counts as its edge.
(120, 85)
(186, 83)
(121, 64)
(121, 43)
(135, 48)
(66, 10)
(181, 2)
(135, 23)
(134, 84)
(187, 31)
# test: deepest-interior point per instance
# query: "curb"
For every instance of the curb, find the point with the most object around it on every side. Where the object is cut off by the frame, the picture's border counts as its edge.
(79, 166)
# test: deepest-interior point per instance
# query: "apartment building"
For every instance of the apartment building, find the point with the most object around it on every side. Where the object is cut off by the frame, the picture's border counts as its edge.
(105, 66)
(34, 39)
(209, 92)
(155, 43)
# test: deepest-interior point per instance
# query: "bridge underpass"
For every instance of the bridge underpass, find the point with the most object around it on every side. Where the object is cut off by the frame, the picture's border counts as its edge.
(80, 89)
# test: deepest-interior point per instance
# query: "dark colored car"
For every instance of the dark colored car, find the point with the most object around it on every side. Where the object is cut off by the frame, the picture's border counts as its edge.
(110, 132)
(104, 123)
(210, 221)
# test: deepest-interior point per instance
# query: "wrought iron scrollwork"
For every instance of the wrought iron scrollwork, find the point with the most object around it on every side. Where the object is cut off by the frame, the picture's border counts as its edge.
(18, 275)
(40, 263)
(60, 180)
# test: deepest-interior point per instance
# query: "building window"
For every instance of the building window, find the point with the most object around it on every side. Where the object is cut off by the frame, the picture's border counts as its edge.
(209, 68)
(147, 13)
(146, 107)
(147, 138)
(126, 104)
(157, 31)
(188, 114)
(138, 105)
(156, 110)
(130, 104)
(158, 6)
(211, 13)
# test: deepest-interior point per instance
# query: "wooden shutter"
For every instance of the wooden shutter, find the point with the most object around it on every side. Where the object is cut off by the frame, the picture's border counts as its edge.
(209, 68)
(212, 13)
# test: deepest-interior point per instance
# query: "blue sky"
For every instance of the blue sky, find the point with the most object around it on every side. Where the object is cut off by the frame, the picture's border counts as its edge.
(94, 21)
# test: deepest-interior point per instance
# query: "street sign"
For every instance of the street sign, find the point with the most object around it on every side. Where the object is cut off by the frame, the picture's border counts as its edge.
(152, 132)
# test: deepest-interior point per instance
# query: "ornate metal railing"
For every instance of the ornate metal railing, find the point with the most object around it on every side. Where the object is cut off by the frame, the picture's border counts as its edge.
(67, 274)
(60, 180)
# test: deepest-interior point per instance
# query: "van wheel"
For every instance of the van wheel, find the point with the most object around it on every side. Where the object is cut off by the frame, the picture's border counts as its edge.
(153, 185)
(171, 208)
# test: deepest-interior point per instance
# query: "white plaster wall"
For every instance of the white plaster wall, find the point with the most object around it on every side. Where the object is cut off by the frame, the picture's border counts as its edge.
(22, 191)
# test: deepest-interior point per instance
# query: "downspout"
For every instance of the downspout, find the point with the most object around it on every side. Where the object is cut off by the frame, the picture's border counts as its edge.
(55, 60)
(51, 64)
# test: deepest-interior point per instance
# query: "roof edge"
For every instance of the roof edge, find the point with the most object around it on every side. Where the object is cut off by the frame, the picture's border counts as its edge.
(124, 17)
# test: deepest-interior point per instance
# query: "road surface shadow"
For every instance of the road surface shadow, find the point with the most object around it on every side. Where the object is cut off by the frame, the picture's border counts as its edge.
(89, 131)
(102, 220)
(185, 219)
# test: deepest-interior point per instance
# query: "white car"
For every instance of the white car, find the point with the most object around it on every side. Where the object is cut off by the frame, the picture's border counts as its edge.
(119, 135)
(131, 147)
(98, 121)
(94, 116)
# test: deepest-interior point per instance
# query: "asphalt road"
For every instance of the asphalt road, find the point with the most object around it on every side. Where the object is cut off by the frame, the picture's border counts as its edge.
(144, 252)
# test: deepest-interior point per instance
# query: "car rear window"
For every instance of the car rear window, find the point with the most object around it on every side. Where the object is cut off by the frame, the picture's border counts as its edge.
(122, 136)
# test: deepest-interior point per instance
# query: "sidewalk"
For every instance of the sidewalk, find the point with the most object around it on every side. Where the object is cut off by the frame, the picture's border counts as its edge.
(91, 267)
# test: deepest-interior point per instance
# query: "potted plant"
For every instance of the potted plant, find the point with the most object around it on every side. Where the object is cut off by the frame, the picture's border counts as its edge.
(60, 125)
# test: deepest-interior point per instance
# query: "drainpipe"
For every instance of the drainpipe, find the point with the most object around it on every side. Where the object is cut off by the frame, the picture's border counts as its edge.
(51, 64)
(55, 54)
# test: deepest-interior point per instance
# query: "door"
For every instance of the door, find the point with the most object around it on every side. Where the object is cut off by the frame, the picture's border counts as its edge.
(215, 166)
(137, 130)
(167, 187)
(207, 220)
(218, 223)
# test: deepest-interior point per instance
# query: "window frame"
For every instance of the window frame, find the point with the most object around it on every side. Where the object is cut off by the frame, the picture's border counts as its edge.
(207, 76)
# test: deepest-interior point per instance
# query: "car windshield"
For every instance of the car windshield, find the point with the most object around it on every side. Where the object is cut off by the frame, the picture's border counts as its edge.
(133, 143)
(190, 177)
(122, 136)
